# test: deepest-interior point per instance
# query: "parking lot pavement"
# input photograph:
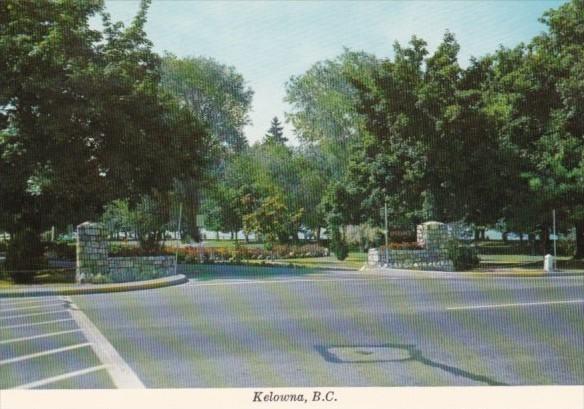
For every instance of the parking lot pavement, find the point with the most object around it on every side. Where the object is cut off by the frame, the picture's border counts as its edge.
(342, 329)
(46, 342)
(348, 330)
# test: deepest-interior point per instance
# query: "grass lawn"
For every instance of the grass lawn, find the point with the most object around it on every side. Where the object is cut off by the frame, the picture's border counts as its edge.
(355, 260)
(523, 263)
(5, 284)
(230, 244)
(211, 271)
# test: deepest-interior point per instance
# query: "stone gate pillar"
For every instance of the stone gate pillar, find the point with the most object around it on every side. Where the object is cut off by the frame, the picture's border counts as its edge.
(92, 251)
(433, 236)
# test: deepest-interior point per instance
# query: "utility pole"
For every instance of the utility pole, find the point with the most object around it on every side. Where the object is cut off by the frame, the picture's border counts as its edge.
(555, 236)
(386, 235)
(179, 238)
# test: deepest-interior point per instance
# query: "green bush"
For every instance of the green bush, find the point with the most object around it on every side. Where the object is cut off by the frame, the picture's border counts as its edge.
(463, 257)
(341, 249)
(55, 276)
(566, 247)
(62, 250)
(117, 250)
(99, 279)
(25, 256)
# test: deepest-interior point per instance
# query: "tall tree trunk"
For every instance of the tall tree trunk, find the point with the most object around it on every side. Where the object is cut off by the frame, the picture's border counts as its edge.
(477, 234)
(318, 235)
(482, 233)
(531, 240)
(505, 239)
(579, 240)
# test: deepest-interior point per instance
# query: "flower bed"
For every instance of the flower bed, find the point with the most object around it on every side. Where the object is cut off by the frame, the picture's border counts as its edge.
(196, 254)
(406, 245)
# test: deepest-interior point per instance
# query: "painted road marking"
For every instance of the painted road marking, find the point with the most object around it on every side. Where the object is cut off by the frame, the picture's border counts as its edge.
(43, 353)
(5, 302)
(35, 323)
(33, 314)
(31, 307)
(47, 335)
(58, 378)
(527, 304)
(120, 372)
(279, 281)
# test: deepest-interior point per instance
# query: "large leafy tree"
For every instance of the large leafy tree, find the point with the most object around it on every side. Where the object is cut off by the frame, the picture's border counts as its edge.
(324, 107)
(215, 92)
(84, 120)
(547, 110)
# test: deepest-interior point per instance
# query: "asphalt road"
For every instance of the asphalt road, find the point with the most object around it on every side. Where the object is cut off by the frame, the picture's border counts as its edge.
(331, 329)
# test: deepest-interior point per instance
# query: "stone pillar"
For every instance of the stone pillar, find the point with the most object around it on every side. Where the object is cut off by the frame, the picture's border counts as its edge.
(433, 236)
(92, 251)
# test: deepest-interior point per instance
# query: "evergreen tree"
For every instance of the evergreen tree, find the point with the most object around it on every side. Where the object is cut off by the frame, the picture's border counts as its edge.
(275, 133)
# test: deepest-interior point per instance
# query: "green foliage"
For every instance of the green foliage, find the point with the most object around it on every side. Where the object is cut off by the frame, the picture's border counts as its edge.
(25, 256)
(216, 93)
(148, 219)
(272, 220)
(84, 119)
(61, 250)
(55, 276)
(339, 246)
(99, 279)
(463, 257)
(275, 133)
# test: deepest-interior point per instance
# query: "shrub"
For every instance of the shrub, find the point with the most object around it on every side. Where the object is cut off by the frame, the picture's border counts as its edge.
(117, 250)
(239, 253)
(25, 256)
(99, 279)
(341, 250)
(60, 275)
(61, 250)
(566, 247)
(403, 246)
(463, 257)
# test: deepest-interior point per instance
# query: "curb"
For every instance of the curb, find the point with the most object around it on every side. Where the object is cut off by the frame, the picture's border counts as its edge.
(96, 288)
(469, 274)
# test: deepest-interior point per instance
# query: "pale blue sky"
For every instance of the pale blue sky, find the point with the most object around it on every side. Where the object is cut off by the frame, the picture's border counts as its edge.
(268, 41)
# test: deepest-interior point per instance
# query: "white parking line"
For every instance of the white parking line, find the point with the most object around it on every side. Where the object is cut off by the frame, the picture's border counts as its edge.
(47, 335)
(57, 378)
(31, 307)
(43, 353)
(61, 310)
(24, 301)
(33, 324)
(478, 307)
(119, 371)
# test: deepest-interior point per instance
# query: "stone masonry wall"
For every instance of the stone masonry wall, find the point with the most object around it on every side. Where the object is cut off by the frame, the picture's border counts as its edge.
(92, 251)
(432, 236)
(123, 269)
(93, 260)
